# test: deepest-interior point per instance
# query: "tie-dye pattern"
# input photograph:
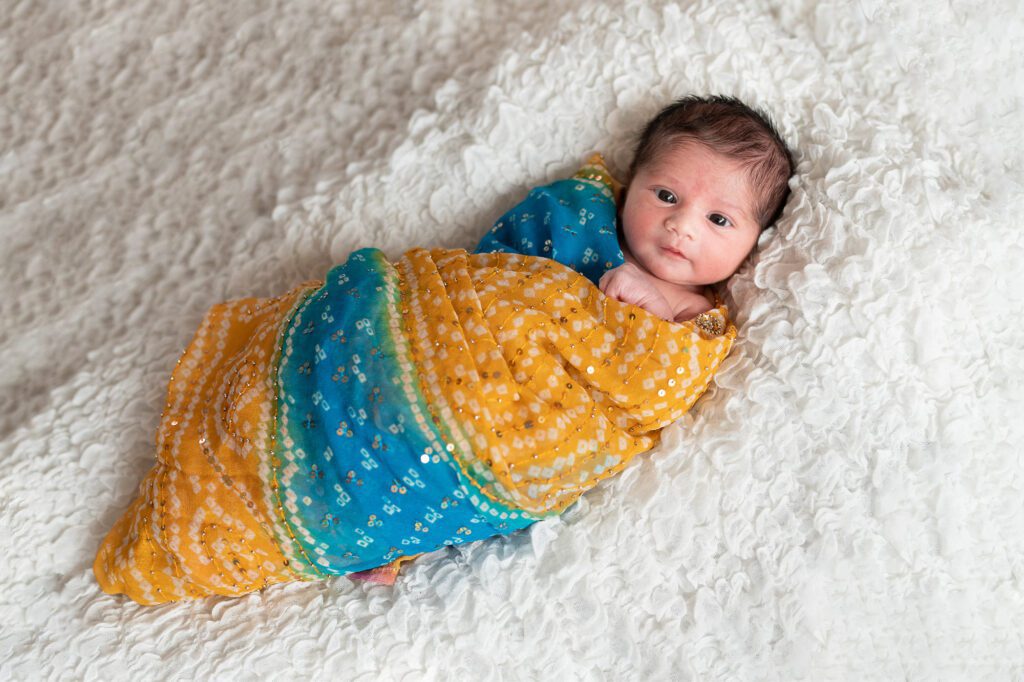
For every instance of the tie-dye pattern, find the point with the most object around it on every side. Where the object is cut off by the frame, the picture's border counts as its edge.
(392, 410)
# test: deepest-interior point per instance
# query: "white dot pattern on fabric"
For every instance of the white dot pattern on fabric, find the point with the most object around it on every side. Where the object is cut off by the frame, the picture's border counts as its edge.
(553, 385)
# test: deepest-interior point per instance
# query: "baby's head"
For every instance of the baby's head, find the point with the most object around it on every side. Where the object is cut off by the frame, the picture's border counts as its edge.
(709, 174)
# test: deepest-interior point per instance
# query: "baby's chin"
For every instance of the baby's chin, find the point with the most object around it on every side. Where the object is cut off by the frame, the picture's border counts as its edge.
(676, 274)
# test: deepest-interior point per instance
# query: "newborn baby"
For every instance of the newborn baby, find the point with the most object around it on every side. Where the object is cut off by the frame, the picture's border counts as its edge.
(395, 408)
(709, 174)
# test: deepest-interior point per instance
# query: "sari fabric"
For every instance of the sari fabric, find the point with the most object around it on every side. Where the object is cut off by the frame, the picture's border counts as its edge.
(394, 409)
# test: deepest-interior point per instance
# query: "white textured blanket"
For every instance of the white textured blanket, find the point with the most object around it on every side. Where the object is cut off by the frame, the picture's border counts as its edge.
(846, 504)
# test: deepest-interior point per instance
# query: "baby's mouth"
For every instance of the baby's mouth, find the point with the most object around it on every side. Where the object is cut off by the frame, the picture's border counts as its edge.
(673, 252)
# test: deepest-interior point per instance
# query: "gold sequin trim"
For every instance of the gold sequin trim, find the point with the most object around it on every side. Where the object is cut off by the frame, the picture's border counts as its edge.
(710, 324)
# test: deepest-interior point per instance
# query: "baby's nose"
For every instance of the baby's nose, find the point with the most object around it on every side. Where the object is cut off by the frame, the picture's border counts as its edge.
(681, 226)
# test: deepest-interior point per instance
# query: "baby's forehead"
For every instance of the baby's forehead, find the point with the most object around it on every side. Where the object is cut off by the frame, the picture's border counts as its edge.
(683, 160)
(674, 154)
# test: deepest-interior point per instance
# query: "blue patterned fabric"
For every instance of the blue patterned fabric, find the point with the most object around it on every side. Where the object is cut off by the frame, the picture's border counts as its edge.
(366, 476)
(572, 221)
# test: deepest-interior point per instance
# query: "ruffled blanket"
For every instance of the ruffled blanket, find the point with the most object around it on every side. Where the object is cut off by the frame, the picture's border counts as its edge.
(392, 410)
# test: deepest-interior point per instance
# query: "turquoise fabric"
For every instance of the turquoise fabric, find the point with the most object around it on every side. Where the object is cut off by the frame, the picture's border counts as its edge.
(572, 221)
(365, 483)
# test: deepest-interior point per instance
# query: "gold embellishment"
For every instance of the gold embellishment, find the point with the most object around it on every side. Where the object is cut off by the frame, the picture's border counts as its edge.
(709, 324)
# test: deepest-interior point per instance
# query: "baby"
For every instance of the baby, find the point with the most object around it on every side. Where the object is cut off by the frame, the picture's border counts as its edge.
(395, 408)
(709, 174)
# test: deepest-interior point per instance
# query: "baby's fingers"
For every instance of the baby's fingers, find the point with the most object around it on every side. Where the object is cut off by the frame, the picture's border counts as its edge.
(613, 288)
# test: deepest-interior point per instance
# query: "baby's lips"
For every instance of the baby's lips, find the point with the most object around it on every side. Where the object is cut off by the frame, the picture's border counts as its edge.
(674, 252)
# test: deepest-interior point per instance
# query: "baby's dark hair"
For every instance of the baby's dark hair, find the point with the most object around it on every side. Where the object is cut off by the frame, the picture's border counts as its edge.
(729, 127)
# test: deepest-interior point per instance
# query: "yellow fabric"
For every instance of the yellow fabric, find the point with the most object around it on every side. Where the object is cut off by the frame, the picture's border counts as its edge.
(199, 524)
(597, 170)
(554, 385)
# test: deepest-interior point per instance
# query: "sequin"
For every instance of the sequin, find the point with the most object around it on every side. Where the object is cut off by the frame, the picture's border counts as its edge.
(710, 324)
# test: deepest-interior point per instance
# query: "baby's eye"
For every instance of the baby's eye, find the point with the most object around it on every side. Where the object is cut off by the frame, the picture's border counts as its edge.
(719, 219)
(665, 196)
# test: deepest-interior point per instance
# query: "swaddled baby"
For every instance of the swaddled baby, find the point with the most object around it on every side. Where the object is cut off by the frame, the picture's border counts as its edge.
(396, 408)
(708, 175)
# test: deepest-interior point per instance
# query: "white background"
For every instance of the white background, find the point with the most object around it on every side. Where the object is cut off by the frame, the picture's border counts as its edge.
(845, 504)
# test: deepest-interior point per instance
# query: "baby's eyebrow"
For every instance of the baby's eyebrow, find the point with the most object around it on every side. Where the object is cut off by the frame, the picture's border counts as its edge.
(732, 208)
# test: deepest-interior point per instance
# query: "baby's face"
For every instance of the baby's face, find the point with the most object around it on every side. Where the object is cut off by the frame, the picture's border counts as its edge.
(689, 216)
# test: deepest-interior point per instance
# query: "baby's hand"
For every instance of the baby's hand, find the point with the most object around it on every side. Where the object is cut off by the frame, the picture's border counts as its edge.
(629, 284)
